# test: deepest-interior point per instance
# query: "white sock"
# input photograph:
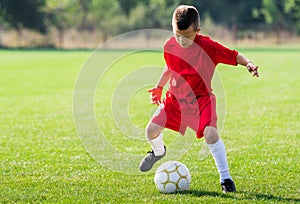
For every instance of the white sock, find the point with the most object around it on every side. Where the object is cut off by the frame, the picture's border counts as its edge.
(218, 152)
(158, 145)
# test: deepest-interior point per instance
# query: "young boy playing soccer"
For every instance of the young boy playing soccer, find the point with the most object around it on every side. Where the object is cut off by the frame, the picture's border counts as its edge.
(189, 102)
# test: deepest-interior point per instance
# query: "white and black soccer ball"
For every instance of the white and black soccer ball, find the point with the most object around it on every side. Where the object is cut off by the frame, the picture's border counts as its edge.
(172, 176)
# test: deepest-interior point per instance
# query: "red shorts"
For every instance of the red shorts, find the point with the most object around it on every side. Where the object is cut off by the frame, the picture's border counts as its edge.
(178, 115)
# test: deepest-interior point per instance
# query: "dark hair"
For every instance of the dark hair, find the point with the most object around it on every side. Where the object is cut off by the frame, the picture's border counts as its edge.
(185, 16)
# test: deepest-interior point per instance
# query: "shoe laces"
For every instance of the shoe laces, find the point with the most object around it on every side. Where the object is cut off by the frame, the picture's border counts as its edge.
(151, 152)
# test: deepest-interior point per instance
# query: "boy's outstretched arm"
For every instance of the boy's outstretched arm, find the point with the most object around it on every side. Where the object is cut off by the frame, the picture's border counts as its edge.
(242, 60)
(156, 91)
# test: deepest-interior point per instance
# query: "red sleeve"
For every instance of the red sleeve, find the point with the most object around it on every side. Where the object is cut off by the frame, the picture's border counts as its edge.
(221, 54)
(166, 59)
(166, 55)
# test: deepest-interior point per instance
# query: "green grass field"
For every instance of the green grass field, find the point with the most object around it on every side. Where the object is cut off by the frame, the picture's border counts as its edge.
(42, 159)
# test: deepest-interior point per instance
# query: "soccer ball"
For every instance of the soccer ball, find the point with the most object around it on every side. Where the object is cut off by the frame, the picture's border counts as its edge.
(172, 176)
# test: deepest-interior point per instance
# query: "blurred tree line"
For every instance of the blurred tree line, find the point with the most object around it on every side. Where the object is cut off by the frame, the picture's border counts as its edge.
(115, 17)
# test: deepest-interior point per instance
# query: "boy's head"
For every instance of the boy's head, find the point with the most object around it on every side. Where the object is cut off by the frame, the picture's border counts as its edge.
(185, 24)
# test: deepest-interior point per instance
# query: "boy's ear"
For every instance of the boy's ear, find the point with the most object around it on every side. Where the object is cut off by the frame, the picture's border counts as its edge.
(198, 29)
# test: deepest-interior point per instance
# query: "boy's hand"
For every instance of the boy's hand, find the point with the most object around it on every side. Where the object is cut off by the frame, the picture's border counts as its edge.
(253, 69)
(156, 93)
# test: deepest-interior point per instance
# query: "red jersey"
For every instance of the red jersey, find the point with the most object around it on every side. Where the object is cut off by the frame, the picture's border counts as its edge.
(193, 67)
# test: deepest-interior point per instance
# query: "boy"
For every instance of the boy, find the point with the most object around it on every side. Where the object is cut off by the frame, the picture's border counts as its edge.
(189, 102)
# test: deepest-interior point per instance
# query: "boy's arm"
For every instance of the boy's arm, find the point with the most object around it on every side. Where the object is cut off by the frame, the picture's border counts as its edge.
(242, 60)
(164, 77)
(156, 92)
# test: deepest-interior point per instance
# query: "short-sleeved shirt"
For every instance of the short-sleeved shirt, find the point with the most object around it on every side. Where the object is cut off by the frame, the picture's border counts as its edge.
(193, 67)
(189, 101)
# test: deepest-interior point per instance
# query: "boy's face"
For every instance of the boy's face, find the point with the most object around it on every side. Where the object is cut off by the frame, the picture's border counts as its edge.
(185, 38)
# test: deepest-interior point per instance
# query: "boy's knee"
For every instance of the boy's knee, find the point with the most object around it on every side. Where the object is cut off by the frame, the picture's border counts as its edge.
(211, 135)
(152, 131)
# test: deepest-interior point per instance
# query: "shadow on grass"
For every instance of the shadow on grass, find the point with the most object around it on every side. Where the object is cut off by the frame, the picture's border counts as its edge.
(199, 193)
(267, 197)
(241, 195)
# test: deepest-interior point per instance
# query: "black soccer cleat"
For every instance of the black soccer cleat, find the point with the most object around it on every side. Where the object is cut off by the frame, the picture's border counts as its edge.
(228, 186)
(149, 160)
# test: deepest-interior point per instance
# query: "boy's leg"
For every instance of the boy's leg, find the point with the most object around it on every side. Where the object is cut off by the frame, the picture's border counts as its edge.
(154, 136)
(218, 151)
